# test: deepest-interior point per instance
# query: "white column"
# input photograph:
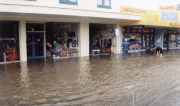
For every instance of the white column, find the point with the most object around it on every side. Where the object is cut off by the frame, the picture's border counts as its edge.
(22, 41)
(84, 39)
(24, 76)
(117, 41)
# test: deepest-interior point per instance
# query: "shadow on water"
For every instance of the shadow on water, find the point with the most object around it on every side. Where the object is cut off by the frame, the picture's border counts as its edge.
(136, 80)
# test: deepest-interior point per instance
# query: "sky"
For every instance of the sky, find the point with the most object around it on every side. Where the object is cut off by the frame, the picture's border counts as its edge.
(148, 4)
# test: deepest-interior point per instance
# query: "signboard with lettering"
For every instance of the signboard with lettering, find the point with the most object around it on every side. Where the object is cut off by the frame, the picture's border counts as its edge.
(168, 16)
(168, 7)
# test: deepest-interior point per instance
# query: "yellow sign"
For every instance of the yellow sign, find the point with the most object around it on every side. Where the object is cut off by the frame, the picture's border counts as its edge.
(160, 18)
(131, 10)
(168, 7)
(150, 18)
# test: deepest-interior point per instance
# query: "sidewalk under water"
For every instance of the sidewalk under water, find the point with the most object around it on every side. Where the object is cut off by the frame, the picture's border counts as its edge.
(97, 81)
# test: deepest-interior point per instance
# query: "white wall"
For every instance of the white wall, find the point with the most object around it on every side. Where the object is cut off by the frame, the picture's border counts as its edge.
(83, 4)
(86, 8)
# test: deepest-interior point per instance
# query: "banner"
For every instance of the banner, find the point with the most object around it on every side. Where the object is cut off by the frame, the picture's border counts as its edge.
(161, 18)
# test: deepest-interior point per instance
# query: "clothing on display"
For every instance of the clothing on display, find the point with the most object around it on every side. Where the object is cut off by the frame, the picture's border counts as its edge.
(65, 34)
(139, 37)
(101, 38)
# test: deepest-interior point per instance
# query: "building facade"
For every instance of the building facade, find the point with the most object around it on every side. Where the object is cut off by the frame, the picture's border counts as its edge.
(156, 28)
(29, 29)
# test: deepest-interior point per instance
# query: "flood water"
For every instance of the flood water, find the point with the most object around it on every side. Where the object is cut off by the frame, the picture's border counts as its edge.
(97, 81)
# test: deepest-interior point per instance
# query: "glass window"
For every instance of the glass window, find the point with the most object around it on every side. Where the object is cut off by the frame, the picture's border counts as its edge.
(72, 2)
(178, 7)
(9, 41)
(100, 2)
(104, 3)
(107, 3)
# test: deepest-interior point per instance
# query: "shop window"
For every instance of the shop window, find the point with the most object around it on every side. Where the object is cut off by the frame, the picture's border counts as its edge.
(35, 27)
(9, 46)
(138, 38)
(104, 3)
(178, 7)
(101, 38)
(174, 40)
(71, 2)
(62, 40)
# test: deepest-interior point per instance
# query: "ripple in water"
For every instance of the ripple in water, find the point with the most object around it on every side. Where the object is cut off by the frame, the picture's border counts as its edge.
(101, 81)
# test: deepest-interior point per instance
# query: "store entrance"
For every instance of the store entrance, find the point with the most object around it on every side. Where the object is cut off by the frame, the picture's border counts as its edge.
(35, 41)
(101, 38)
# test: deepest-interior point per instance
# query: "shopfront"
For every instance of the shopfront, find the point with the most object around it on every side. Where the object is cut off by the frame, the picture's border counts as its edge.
(101, 38)
(172, 39)
(62, 40)
(140, 38)
(9, 41)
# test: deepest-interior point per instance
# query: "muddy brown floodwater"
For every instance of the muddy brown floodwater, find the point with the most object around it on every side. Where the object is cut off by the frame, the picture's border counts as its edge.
(98, 81)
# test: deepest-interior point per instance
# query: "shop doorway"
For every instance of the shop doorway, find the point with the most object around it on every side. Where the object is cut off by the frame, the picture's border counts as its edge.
(9, 41)
(36, 44)
(101, 38)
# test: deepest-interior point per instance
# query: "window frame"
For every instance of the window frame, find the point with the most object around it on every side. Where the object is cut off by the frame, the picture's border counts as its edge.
(69, 2)
(102, 5)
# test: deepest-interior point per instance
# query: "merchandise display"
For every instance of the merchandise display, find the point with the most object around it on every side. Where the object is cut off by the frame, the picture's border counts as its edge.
(139, 38)
(9, 41)
(101, 37)
(173, 40)
(66, 38)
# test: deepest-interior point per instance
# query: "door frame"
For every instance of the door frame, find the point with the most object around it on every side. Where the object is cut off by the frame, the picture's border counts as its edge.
(44, 39)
